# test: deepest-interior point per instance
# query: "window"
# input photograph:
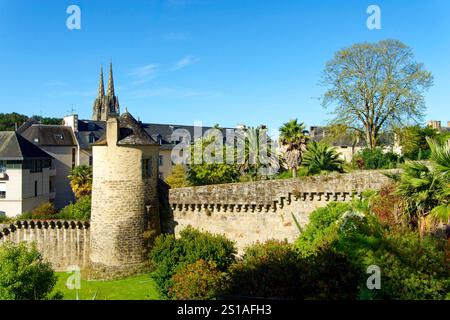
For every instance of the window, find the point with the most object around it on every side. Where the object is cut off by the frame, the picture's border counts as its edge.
(50, 186)
(73, 158)
(35, 189)
(2, 166)
(161, 160)
(160, 175)
(147, 170)
(36, 166)
(2, 190)
(91, 138)
(90, 161)
(59, 137)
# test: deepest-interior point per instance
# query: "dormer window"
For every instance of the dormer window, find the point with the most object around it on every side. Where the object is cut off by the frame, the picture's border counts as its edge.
(59, 136)
(91, 138)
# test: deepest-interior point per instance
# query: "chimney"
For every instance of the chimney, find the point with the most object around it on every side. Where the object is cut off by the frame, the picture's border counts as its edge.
(448, 124)
(112, 131)
(71, 121)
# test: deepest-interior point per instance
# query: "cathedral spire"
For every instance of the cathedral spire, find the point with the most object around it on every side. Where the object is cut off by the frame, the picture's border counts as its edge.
(101, 86)
(110, 82)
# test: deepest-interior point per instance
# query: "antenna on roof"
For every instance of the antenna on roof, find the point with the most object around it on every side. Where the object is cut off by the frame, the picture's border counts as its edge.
(72, 109)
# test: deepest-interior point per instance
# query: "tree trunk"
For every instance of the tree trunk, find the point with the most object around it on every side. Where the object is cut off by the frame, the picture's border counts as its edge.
(294, 172)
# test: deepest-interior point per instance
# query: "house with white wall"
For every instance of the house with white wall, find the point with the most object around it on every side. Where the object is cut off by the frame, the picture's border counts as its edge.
(27, 175)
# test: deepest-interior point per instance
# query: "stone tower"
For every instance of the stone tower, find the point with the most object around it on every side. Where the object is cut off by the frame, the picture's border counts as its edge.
(125, 211)
(105, 106)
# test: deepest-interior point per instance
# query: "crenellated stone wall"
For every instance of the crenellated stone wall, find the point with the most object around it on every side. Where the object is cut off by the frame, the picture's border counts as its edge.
(258, 211)
(62, 243)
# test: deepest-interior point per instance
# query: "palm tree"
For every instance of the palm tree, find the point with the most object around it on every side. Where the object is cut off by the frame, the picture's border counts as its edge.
(440, 156)
(321, 157)
(293, 139)
(426, 185)
(81, 181)
(253, 162)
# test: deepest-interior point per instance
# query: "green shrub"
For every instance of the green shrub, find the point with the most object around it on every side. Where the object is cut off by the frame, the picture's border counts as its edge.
(269, 270)
(24, 275)
(80, 210)
(168, 254)
(411, 267)
(275, 270)
(376, 159)
(44, 211)
(321, 229)
(201, 280)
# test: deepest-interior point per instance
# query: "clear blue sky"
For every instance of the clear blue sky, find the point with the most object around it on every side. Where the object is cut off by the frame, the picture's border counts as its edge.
(218, 61)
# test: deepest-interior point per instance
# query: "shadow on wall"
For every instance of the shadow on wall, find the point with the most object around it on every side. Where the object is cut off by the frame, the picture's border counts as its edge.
(167, 219)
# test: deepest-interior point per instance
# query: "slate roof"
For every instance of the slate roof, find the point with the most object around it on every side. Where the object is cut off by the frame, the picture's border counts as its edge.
(15, 147)
(160, 133)
(49, 135)
(131, 132)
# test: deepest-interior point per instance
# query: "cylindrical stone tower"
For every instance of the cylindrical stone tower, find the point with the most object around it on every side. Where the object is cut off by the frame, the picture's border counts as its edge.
(124, 199)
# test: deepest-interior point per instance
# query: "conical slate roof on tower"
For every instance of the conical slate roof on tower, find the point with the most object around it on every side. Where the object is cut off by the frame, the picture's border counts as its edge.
(131, 132)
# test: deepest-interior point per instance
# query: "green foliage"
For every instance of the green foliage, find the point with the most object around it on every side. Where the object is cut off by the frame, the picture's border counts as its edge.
(319, 157)
(376, 159)
(209, 171)
(201, 280)
(80, 210)
(375, 86)
(413, 141)
(206, 174)
(425, 186)
(24, 275)
(48, 120)
(8, 121)
(168, 254)
(44, 211)
(81, 181)
(178, 177)
(293, 139)
(301, 172)
(275, 270)
(412, 268)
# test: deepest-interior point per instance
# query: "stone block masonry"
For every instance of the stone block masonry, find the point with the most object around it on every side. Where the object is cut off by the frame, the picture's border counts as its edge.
(262, 210)
(62, 243)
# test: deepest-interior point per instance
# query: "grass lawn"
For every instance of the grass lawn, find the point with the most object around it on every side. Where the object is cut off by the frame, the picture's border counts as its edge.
(139, 287)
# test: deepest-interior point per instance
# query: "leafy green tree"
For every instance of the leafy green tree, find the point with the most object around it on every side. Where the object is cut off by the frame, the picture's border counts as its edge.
(375, 86)
(209, 171)
(414, 143)
(24, 275)
(9, 121)
(48, 120)
(376, 159)
(320, 157)
(81, 181)
(293, 139)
